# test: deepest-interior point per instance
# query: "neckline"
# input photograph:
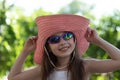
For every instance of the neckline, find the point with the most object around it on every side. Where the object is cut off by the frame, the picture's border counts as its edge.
(58, 70)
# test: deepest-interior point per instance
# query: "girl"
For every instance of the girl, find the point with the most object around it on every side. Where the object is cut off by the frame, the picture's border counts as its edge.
(61, 42)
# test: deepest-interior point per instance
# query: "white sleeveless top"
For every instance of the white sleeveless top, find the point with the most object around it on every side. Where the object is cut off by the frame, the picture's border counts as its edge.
(59, 75)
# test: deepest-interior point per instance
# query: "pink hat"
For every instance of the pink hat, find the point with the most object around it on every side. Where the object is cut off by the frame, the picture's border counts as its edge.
(51, 24)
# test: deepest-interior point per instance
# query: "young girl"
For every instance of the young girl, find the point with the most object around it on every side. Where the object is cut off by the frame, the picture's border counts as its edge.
(62, 40)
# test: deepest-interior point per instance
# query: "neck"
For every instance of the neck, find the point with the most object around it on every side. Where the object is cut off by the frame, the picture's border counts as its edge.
(62, 63)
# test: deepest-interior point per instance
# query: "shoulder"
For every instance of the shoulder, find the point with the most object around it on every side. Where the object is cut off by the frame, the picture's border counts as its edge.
(86, 63)
(36, 72)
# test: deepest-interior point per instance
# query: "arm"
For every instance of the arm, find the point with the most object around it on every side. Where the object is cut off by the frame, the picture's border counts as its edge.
(101, 66)
(16, 70)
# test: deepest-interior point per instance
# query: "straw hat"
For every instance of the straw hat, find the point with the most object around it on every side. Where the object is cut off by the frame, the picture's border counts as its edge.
(51, 24)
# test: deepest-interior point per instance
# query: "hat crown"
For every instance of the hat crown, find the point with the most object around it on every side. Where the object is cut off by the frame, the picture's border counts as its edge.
(51, 24)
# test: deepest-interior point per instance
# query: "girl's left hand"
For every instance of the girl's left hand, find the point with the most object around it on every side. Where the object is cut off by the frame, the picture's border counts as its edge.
(91, 35)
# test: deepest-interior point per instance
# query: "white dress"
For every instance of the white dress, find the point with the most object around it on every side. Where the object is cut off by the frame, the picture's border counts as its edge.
(59, 75)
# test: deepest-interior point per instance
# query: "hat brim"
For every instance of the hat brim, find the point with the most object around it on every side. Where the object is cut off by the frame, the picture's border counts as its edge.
(49, 25)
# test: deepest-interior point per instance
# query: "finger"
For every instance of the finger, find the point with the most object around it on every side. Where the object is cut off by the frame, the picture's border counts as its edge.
(94, 32)
(31, 39)
(89, 32)
(35, 38)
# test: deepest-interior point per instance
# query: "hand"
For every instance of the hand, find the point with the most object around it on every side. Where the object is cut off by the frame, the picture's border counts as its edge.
(91, 35)
(30, 44)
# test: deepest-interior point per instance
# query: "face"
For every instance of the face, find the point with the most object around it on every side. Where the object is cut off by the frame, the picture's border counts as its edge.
(62, 44)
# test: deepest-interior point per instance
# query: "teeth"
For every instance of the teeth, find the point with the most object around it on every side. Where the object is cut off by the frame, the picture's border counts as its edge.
(63, 49)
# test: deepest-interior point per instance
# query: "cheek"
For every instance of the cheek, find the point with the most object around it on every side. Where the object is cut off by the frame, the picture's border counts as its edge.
(53, 47)
(72, 41)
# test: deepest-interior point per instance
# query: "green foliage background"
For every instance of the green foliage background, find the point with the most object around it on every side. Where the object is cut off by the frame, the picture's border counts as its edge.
(16, 27)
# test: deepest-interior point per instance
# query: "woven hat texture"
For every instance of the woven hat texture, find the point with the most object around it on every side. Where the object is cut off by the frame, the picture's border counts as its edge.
(51, 24)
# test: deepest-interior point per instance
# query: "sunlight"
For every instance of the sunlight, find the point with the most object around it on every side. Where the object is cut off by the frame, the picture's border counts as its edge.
(101, 7)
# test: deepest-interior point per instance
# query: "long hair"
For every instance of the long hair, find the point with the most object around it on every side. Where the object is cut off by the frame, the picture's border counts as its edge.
(75, 68)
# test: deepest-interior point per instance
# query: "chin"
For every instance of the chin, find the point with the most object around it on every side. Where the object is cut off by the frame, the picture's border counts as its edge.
(63, 55)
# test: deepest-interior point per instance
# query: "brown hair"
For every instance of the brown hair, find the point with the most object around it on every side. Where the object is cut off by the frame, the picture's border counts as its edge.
(76, 67)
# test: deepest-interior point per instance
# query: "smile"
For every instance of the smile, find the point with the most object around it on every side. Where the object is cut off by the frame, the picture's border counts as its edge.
(64, 48)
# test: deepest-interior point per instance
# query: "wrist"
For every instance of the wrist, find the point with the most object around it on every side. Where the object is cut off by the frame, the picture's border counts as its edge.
(25, 52)
(98, 40)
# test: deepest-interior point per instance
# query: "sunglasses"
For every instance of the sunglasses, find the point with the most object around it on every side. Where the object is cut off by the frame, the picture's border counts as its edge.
(56, 39)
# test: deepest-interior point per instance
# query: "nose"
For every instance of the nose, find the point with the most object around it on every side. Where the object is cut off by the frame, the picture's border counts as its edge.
(62, 41)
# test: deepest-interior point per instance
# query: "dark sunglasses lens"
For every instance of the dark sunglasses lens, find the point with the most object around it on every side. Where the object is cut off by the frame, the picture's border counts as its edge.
(68, 36)
(54, 39)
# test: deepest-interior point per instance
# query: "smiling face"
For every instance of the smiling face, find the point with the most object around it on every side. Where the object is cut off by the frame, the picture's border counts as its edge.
(62, 44)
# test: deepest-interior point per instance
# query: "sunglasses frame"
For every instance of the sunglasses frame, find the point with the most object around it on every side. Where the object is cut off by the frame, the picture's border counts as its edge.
(49, 40)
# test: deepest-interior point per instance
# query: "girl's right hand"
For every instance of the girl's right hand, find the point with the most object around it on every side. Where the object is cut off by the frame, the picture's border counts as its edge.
(30, 44)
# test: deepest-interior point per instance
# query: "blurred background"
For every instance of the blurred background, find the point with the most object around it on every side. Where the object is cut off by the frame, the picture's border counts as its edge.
(17, 23)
